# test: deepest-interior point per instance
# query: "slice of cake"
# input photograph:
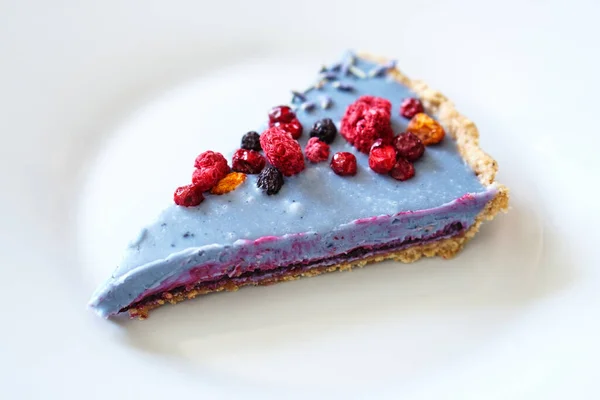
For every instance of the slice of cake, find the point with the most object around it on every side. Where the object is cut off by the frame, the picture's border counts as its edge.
(365, 165)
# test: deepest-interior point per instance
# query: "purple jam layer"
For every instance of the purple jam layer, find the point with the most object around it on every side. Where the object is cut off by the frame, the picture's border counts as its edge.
(259, 276)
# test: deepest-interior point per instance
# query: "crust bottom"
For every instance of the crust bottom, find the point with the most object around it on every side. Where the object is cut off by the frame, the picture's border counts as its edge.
(445, 248)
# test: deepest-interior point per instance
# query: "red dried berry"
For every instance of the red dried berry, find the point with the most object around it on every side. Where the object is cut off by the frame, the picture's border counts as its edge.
(343, 163)
(409, 146)
(188, 196)
(210, 159)
(316, 150)
(248, 161)
(206, 178)
(294, 127)
(410, 107)
(382, 157)
(365, 121)
(283, 152)
(281, 114)
(402, 170)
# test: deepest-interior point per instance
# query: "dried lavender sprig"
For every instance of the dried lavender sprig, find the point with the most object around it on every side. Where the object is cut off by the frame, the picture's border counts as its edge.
(325, 102)
(391, 64)
(308, 106)
(347, 63)
(343, 86)
(335, 67)
(298, 96)
(377, 71)
(382, 69)
(319, 85)
(330, 76)
(359, 73)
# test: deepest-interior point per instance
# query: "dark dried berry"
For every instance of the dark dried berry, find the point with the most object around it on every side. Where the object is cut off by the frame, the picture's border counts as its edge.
(409, 146)
(248, 161)
(188, 196)
(411, 107)
(270, 180)
(343, 163)
(281, 114)
(402, 170)
(325, 130)
(251, 141)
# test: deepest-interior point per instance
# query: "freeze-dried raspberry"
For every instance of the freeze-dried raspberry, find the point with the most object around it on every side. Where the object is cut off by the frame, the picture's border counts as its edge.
(229, 183)
(344, 163)
(293, 127)
(376, 102)
(382, 157)
(409, 146)
(211, 159)
(426, 128)
(188, 196)
(247, 161)
(410, 107)
(365, 121)
(402, 170)
(283, 152)
(206, 178)
(270, 180)
(316, 150)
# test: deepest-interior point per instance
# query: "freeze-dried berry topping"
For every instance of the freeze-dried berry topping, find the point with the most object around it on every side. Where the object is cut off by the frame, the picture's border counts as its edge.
(248, 161)
(270, 180)
(374, 125)
(343, 163)
(283, 152)
(402, 170)
(325, 130)
(426, 128)
(206, 178)
(281, 114)
(229, 183)
(251, 141)
(409, 146)
(294, 127)
(316, 150)
(365, 121)
(382, 157)
(188, 196)
(376, 102)
(211, 159)
(410, 107)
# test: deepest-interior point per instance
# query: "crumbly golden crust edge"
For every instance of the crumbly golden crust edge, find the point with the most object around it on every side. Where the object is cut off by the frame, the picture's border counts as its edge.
(466, 134)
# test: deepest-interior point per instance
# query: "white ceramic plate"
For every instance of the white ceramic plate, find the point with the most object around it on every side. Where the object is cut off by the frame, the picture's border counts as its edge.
(117, 115)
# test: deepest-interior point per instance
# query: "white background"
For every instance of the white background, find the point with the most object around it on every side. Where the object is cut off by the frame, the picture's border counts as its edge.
(515, 316)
